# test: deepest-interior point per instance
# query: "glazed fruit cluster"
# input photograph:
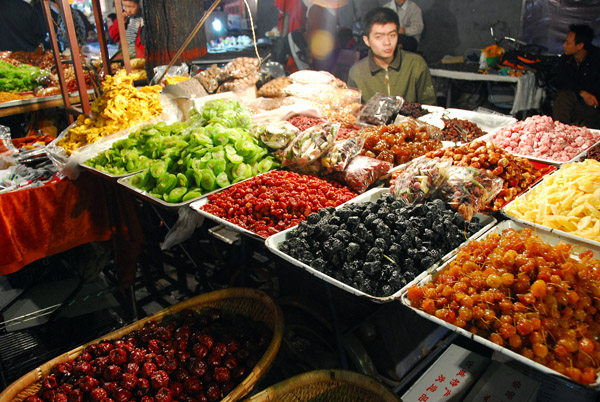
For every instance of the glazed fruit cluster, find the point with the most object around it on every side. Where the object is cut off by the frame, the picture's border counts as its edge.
(190, 357)
(521, 293)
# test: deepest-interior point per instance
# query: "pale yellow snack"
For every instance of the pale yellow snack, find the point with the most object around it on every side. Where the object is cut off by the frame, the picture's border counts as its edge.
(119, 107)
(568, 200)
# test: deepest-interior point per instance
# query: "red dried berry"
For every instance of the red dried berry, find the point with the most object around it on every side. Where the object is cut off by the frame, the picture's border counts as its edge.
(183, 332)
(233, 347)
(87, 356)
(132, 368)
(171, 365)
(49, 395)
(60, 397)
(119, 343)
(49, 382)
(214, 360)
(82, 368)
(104, 347)
(75, 395)
(154, 346)
(98, 394)
(112, 373)
(176, 388)
(213, 392)
(181, 344)
(137, 356)
(163, 395)
(111, 387)
(220, 349)
(118, 356)
(148, 369)
(147, 399)
(159, 379)
(87, 383)
(122, 395)
(198, 368)
(182, 356)
(160, 361)
(33, 398)
(162, 334)
(222, 374)
(65, 388)
(129, 381)
(192, 385)
(107, 400)
(230, 362)
(201, 397)
(206, 340)
(200, 350)
(143, 387)
(180, 374)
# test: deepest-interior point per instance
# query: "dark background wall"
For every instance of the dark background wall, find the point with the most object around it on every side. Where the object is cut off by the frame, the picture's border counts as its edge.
(452, 27)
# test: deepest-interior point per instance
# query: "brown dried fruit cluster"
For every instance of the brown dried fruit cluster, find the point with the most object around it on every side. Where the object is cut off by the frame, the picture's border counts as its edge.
(187, 358)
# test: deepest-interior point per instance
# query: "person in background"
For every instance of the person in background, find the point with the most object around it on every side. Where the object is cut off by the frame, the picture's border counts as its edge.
(21, 29)
(410, 25)
(110, 20)
(578, 80)
(388, 69)
(134, 24)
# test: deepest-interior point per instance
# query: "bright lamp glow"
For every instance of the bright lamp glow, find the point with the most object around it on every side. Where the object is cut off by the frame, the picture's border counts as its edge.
(217, 25)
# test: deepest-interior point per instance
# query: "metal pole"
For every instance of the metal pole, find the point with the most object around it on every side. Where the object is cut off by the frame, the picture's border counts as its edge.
(60, 71)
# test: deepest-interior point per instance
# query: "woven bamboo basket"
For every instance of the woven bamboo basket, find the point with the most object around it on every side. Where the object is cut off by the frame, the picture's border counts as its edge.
(247, 302)
(326, 386)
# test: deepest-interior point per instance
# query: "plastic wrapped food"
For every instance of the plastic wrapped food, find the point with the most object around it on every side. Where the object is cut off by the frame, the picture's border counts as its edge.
(275, 88)
(208, 78)
(363, 171)
(309, 145)
(342, 151)
(239, 84)
(469, 190)
(420, 180)
(277, 135)
(380, 109)
(312, 77)
(238, 68)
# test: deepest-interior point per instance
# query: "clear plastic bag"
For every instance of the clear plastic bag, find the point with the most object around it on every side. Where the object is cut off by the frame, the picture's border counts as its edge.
(380, 109)
(341, 153)
(468, 190)
(363, 171)
(277, 135)
(239, 67)
(420, 180)
(309, 145)
(208, 78)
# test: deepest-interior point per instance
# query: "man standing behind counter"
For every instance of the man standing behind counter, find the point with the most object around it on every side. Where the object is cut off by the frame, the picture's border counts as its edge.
(388, 69)
(578, 80)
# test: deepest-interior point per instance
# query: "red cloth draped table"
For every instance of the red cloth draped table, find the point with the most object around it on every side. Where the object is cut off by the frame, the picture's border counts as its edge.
(43, 221)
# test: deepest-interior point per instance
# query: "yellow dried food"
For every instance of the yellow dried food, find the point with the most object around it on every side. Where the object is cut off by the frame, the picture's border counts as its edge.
(568, 200)
(119, 107)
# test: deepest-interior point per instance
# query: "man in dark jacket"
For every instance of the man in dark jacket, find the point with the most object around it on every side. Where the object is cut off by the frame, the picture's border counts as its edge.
(578, 80)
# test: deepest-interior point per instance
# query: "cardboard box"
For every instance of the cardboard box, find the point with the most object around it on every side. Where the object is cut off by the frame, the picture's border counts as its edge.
(501, 383)
(449, 378)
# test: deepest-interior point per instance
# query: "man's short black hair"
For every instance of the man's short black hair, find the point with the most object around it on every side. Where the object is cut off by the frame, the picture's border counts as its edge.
(380, 15)
(583, 34)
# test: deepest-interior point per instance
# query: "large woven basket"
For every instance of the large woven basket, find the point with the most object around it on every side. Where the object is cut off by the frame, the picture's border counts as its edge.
(247, 302)
(326, 386)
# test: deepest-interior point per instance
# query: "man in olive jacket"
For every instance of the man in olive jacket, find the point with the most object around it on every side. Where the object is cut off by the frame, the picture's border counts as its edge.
(387, 69)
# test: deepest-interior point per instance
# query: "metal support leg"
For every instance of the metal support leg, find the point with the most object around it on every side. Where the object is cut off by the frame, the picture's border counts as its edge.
(336, 328)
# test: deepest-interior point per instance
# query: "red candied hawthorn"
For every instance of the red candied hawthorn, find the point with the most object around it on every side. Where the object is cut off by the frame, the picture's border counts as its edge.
(269, 203)
(159, 379)
(118, 356)
(98, 394)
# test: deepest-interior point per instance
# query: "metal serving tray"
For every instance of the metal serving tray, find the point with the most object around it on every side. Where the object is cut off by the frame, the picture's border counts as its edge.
(126, 182)
(548, 229)
(275, 240)
(548, 237)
